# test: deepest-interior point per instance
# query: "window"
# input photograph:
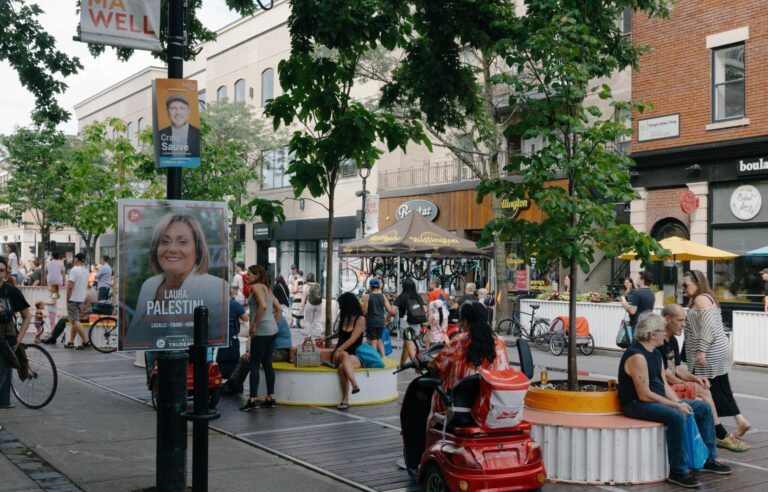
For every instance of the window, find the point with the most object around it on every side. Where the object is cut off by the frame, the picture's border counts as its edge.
(240, 90)
(267, 85)
(141, 125)
(728, 82)
(201, 100)
(348, 168)
(273, 165)
(221, 93)
(626, 21)
(131, 133)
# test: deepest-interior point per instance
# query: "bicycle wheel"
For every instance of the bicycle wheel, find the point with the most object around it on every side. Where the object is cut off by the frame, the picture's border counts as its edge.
(557, 343)
(349, 279)
(589, 347)
(456, 286)
(419, 269)
(509, 326)
(103, 334)
(37, 390)
(540, 331)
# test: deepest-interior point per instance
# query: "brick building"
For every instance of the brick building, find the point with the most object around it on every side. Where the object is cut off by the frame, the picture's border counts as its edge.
(700, 150)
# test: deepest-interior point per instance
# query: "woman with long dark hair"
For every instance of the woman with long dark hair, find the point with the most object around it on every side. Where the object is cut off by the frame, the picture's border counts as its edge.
(708, 353)
(264, 317)
(350, 335)
(477, 347)
(282, 294)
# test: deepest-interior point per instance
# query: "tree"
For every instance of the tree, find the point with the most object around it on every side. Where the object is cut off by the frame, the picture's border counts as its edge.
(558, 52)
(328, 40)
(99, 171)
(234, 139)
(32, 52)
(36, 165)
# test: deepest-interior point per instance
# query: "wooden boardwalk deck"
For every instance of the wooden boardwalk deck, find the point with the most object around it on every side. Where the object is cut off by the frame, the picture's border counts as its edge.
(360, 446)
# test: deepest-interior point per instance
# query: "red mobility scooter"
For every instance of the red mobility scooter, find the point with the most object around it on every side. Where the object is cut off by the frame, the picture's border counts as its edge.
(458, 453)
(214, 381)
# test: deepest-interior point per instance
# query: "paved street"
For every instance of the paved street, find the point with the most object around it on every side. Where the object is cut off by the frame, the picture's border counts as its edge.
(99, 433)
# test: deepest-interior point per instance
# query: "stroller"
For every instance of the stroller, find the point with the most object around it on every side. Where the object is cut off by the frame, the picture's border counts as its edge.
(558, 335)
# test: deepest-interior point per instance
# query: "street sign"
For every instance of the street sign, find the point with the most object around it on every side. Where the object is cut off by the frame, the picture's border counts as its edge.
(172, 257)
(272, 255)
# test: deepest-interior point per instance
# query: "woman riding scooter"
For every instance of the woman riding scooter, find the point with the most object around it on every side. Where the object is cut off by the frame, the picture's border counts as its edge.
(477, 347)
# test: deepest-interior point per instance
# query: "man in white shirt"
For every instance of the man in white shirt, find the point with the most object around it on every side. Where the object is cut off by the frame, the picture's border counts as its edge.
(13, 263)
(77, 287)
(237, 282)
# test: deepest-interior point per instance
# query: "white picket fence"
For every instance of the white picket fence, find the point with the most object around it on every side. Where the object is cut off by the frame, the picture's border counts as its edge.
(749, 336)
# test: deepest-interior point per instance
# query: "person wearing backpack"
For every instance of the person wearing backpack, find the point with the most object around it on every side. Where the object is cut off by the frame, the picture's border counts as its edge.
(312, 305)
(377, 309)
(411, 307)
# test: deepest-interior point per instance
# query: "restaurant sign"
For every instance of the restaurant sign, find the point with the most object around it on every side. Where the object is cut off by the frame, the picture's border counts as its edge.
(426, 208)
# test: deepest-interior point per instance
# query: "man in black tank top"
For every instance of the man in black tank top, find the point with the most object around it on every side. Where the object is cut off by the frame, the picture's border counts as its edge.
(644, 394)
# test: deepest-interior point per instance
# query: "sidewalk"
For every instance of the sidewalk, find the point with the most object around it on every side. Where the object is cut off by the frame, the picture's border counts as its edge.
(99, 441)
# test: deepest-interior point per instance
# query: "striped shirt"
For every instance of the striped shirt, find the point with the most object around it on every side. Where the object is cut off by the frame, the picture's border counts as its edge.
(704, 333)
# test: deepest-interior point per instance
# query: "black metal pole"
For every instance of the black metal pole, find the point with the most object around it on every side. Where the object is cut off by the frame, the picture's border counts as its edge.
(171, 462)
(365, 192)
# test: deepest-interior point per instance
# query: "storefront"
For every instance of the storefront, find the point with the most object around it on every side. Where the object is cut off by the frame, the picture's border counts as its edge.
(303, 243)
(712, 194)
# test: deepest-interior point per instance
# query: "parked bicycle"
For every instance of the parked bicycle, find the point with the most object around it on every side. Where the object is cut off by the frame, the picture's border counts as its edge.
(40, 378)
(103, 332)
(537, 332)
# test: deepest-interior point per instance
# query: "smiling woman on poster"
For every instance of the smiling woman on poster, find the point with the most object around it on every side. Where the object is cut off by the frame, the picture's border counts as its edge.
(179, 257)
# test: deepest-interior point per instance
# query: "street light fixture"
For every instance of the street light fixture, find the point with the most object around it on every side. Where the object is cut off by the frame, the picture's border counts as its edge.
(364, 172)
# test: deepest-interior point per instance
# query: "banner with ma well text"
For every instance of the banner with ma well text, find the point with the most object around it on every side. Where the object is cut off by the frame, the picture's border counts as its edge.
(172, 256)
(125, 23)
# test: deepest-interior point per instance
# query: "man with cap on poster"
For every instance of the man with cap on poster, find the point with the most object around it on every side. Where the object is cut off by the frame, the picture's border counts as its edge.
(180, 139)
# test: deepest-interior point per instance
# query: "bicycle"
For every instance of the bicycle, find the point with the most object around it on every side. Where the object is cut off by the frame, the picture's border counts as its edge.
(37, 389)
(103, 332)
(537, 331)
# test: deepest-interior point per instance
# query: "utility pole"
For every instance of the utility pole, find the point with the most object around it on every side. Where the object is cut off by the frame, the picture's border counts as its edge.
(171, 462)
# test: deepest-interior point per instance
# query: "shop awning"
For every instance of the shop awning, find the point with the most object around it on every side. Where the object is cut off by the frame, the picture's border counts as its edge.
(758, 252)
(413, 236)
(685, 250)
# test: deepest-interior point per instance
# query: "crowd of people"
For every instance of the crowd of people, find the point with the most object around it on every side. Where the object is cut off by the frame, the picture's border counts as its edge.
(660, 382)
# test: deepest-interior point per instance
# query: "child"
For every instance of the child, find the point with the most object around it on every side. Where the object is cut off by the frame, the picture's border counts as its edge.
(438, 322)
(39, 319)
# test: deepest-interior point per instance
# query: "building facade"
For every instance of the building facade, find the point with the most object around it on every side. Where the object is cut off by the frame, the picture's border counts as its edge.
(702, 151)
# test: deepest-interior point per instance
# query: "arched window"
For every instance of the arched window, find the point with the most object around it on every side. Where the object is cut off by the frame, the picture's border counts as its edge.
(267, 85)
(221, 93)
(141, 124)
(131, 133)
(240, 90)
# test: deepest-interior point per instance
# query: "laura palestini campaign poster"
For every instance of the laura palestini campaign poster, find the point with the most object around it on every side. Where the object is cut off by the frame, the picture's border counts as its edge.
(176, 123)
(172, 257)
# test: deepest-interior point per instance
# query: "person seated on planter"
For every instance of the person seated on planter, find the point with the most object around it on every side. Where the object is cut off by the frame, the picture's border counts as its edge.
(645, 394)
(350, 335)
(687, 385)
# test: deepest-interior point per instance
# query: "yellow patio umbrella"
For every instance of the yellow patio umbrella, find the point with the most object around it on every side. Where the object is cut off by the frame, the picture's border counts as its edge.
(685, 250)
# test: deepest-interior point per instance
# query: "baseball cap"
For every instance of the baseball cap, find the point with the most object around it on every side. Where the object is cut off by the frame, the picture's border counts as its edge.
(241, 264)
(764, 270)
(374, 283)
(80, 257)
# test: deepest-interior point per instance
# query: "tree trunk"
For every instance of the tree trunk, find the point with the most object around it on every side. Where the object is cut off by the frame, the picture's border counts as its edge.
(573, 376)
(503, 307)
(329, 265)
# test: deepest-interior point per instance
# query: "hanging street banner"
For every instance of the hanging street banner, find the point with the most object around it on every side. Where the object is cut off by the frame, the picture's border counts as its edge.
(124, 23)
(172, 256)
(176, 122)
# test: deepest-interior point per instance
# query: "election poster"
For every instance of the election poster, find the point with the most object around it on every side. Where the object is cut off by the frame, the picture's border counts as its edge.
(124, 23)
(172, 257)
(176, 120)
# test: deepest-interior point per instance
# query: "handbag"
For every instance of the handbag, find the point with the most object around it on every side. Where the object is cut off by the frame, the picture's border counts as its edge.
(369, 357)
(386, 340)
(24, 369)
(624, 336)
(696, 452)
(11, 359)
(307, 355)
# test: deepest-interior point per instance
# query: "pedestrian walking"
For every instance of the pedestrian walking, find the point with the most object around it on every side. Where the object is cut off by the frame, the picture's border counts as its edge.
(77, 290)
(103, 278)
(639, 300)
(11, 302)
(282, 292)
(264, 316)
(312, 306)
(376, 308)
(239, 281)
(13, 263)
(707, 349)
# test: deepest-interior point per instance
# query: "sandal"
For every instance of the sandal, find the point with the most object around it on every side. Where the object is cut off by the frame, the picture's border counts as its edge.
(69, 345)
(355, 389)
(343, 406)
(84, 346)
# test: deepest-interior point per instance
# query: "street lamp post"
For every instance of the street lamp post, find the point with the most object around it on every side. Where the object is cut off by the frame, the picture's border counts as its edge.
(364, 172)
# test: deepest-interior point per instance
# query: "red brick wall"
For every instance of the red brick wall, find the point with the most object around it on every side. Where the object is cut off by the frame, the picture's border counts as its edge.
(676, 75)
(662, 204)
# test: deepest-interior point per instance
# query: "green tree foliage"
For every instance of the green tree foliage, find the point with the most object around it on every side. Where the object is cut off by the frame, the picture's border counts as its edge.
(328, 40)
(99, 171)
(557, 53)
(234, 139)
(32, 53)
(36, 164)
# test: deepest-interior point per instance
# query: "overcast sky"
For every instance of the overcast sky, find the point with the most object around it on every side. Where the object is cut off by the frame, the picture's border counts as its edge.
(98, 73)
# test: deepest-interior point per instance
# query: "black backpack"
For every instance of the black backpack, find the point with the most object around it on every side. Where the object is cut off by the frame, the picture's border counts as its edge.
(415, 314)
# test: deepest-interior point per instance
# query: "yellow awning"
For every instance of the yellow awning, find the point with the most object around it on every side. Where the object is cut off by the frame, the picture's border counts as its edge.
(685, 250)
